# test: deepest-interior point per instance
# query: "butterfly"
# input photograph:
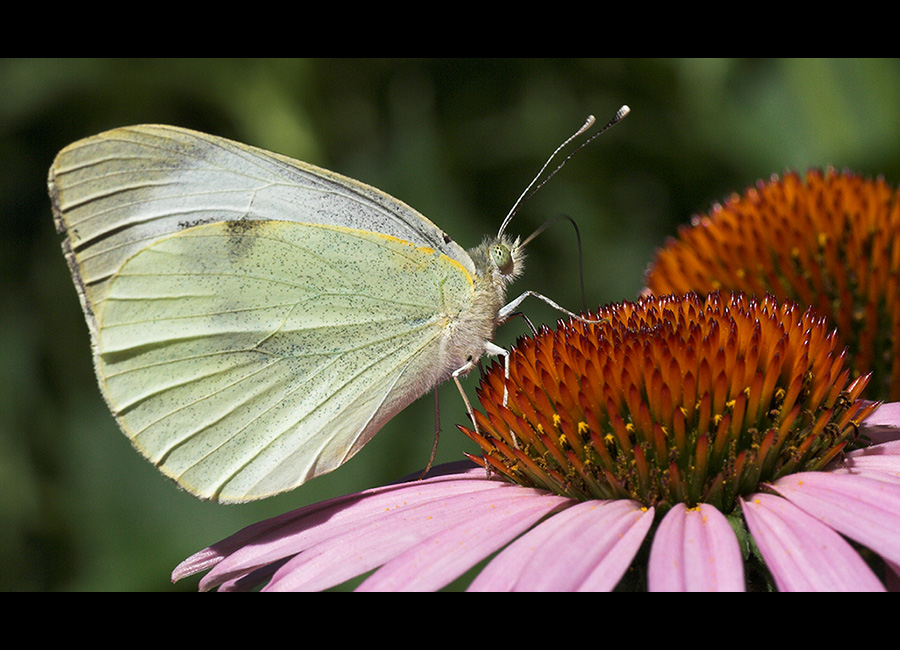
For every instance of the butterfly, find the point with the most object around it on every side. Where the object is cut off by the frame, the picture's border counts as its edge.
(254, 319)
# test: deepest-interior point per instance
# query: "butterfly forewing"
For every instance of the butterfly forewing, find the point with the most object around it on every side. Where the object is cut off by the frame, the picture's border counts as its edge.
(117, 192)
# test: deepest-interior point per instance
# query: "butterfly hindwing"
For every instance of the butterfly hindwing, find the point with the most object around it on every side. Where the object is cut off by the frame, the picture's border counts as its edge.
(243, 361)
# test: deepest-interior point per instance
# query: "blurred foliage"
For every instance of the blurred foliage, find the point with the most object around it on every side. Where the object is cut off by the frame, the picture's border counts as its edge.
(458, 139)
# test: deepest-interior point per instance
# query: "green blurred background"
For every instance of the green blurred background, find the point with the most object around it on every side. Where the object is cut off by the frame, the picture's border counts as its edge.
(458, 139)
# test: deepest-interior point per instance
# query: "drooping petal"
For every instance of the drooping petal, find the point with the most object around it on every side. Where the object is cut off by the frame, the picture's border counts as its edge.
(391, 533)
(802, 553)
(862, 508)
(284, 536)
(695, 549)
(587, 547)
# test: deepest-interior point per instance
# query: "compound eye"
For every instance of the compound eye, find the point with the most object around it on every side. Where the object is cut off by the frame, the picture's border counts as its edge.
(502, 258)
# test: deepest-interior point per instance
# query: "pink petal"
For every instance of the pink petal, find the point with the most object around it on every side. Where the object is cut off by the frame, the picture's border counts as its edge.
(286, 535)
(802, 553)
(587, 547)
(392, 532)
(891, 449)
(884, 424)
(862, 508)
(695, 549)
(250, 542)
(434, 562)
(878, 461)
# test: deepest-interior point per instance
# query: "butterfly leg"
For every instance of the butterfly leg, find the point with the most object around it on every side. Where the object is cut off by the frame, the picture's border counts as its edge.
(456, 374)
(496, 351)
(527, 320)
(437, 434)
(508, 310)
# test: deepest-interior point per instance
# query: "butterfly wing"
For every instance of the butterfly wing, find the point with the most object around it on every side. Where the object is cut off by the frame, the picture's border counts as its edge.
(243, 358)
(238, 378)
(115, 193)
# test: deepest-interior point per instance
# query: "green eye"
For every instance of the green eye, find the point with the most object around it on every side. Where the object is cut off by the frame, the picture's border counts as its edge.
(502, 258)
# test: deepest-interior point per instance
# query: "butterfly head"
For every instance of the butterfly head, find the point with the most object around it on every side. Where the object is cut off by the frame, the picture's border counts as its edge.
(499, 259)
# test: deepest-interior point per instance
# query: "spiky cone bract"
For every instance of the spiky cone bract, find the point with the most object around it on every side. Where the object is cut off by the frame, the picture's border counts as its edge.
(828, 240)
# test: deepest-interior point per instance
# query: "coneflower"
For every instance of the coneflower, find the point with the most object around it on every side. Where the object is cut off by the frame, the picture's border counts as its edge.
(671, 400)
(828, 240)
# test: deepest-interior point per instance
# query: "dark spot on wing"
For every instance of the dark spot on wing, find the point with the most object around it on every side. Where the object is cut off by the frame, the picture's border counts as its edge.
(184, 225)
(447, 238)
(242, 236)
(243, 226)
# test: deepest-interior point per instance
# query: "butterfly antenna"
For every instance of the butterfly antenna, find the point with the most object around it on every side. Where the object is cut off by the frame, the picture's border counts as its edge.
(577, 238)
(531, 188)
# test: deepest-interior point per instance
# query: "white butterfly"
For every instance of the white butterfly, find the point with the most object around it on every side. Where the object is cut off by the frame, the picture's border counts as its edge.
(255, 320)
